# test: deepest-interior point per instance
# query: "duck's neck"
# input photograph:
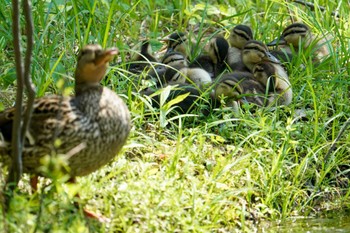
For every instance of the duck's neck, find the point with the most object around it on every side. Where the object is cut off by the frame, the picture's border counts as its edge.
(81, 88)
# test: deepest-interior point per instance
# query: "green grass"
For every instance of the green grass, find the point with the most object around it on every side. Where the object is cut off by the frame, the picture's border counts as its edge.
(220, 173)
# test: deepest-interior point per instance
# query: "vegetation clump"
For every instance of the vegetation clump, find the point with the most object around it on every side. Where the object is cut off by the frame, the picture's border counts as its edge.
(202, 171)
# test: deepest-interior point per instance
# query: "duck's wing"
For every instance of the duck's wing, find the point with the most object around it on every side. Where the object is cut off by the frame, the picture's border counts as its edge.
(46, 111)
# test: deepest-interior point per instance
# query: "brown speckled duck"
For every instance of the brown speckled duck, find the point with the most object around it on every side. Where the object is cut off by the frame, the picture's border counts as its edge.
(95, 122)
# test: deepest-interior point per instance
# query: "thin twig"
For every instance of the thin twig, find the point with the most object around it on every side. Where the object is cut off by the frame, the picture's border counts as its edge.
(341, 132)
(27, 9)
(290, 13)
(312, 7)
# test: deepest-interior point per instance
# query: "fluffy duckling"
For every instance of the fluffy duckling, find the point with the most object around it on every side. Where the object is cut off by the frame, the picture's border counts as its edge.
(276, 81)
(169, 61)
(142, 60)
(282, 55)
(214, 61)
(239, 87)
(197, 76)
(255, 52)
(175, 59)
(177, 42)
(182, 107)
(95, 123)
(239, 36)
(299, 35)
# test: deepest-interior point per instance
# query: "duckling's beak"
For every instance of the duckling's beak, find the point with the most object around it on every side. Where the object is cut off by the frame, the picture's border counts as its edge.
(277, 41)
(271, 58)
(106, 56)
(169, 50)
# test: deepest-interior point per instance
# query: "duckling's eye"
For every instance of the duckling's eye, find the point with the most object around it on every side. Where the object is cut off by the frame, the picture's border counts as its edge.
(83, 52)
(259, 69)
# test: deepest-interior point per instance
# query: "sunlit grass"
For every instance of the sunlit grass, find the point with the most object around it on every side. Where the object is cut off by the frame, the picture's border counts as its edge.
(217, 173)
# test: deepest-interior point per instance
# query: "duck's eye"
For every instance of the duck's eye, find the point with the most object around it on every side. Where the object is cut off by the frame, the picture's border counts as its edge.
(97, 52)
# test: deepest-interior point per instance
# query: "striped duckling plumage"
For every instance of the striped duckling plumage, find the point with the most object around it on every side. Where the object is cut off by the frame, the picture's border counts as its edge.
(214, 61)
(240, 87)
(182, 74)
(95, 122)
(276, 81)
(255, 52)
(256, 88)
(298, 35)
(239, 36)
(142, 60)
(177, 42)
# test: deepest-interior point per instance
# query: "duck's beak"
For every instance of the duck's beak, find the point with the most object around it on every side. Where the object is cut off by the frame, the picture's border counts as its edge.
(106, 56)
(277, 41)
(271, 58)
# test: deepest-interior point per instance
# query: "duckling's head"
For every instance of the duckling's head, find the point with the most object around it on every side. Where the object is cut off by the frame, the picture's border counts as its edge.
(240, 35)
(265, 74)
(217, 49)
(93, 63)
(229, 86)
(177, 42)
(241, 87)
(293, 34)
(146, 52)
(175, 59)
(255, 52)
(174, 75)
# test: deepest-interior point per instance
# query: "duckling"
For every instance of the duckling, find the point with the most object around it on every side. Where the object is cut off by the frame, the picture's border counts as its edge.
(95, 122)
(240, 87)
(299, 35)
(177, 42)
(255, 52)
(276, 81)
(169, 61)
(239, 36)
(182, 107)
(197, 76)
(142, 60)
(174, 59)
(214, 61)
(283, 56)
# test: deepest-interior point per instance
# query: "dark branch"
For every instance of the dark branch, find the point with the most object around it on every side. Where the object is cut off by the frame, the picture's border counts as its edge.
(27, 9)
(16, 169)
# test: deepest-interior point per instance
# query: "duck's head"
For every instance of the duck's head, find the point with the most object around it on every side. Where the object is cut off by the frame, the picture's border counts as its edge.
(240, 35)
(293, 34)
(217, 48)
(255, 52)
(93, 63)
